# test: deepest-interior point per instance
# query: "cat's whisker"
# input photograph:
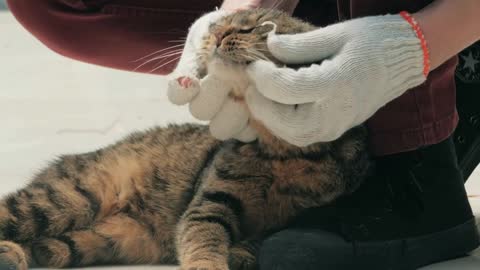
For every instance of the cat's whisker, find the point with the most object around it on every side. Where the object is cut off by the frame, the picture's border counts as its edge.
(159, 51)
(164, 57)
(262, 58)
(182, 39)
(277, 4)
(160, 58)
(263, 50)
(167, 54)
(261, 55)
(255, 48)
(257, 54)
(274, 7)
(254, 57)
(163, 52)
(170, 31)
(242, 42)
(244, 55)
(250, 43)
(164, 64)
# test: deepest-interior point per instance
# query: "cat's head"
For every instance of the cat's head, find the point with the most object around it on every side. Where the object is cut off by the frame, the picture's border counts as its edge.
(241, 37)
(236, 40)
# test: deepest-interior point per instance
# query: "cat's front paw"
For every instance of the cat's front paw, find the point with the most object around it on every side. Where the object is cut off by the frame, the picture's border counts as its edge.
(242, 259)
(206, 265)
(182, 89)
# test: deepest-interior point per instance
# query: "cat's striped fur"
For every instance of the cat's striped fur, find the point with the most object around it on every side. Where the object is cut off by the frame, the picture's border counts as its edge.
(126, 202)
(171, 195)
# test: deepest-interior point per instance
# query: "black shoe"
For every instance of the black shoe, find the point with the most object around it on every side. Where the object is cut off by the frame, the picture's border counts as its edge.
(467, 134)
(413, 212)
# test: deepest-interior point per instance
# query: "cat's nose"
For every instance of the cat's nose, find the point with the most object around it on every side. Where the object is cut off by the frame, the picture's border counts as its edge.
(219, 37)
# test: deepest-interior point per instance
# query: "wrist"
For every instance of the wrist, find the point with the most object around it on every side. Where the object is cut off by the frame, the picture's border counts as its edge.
(449, 27)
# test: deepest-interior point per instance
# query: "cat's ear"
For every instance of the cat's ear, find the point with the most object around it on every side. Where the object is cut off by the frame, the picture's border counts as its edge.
(265, 29)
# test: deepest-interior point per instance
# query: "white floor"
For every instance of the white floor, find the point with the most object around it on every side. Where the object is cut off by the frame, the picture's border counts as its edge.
(51, 105)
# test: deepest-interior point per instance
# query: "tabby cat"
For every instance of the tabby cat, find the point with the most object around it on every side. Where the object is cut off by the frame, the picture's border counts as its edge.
(176, 194)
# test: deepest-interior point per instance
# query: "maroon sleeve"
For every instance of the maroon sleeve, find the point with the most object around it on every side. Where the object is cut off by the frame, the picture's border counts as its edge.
(112, 33)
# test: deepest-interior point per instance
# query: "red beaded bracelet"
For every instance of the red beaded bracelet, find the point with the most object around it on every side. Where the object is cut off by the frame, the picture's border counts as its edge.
(423, 42)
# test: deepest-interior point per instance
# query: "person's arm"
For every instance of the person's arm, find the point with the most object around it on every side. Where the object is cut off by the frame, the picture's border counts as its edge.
(285, 5)
(111, 33)
(369, 62)
(449, 27)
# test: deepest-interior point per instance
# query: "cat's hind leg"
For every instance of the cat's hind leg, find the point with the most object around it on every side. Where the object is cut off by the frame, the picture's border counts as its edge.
(13, 256)
(116, 239)
(64, 196)
(26, 214)
(38, 210)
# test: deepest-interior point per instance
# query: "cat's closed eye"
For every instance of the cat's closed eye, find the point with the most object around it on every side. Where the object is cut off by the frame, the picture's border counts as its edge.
(241, 37)
(246, 31)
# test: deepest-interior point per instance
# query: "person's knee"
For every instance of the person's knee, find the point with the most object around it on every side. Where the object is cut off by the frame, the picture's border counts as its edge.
(279, 251)
(305, 250)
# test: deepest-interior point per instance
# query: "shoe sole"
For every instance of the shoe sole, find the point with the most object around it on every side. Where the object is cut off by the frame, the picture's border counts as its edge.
(317, 249)
(446, 245)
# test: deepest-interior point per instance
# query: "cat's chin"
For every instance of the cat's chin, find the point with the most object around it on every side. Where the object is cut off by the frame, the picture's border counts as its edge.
(228, 62)
(229, 72)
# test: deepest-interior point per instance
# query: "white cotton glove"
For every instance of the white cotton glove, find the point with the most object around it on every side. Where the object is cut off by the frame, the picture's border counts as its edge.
(367, 63)
(207, 97)
(184, 80)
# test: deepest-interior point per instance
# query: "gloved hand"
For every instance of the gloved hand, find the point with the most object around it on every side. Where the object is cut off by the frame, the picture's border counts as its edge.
(183, 82)
(367, 62)
(207, 97)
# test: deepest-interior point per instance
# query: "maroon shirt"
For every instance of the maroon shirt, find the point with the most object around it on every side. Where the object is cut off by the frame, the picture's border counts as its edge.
(115, 33)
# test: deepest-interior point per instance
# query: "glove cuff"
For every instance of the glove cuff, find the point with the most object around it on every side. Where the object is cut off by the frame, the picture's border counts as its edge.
(423, 42)
(406, 54)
